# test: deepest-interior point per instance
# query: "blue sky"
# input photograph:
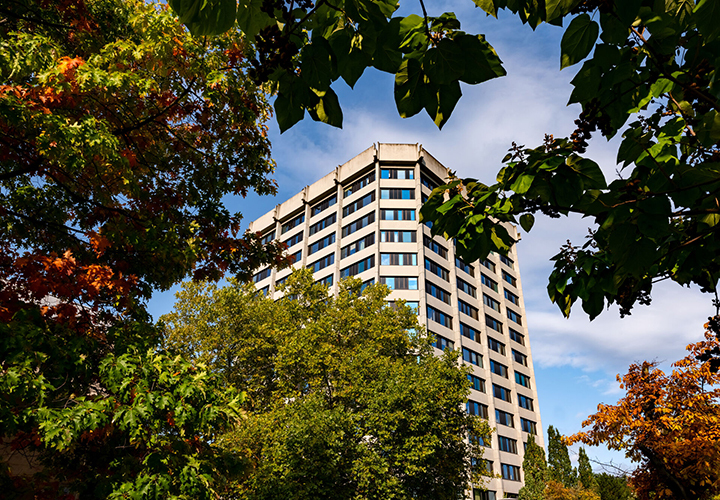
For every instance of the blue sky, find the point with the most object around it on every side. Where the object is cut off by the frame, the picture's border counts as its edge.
(576, 360)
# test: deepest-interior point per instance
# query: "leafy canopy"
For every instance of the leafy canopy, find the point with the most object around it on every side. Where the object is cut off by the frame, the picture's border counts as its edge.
(345, 398)
(120, 134)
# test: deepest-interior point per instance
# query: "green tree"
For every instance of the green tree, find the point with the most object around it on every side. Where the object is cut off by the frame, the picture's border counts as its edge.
(585, 472)
(120, 134)
(535, 472)
(559, 467)
(345, 398)
(613, 487)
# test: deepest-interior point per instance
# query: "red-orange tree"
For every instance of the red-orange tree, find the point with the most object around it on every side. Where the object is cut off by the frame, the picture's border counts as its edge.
(668, 423)
(120, 134)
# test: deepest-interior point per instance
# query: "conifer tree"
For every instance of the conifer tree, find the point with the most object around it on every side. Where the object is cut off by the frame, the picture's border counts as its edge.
(535, 470)
(585, 473)
(559, 467)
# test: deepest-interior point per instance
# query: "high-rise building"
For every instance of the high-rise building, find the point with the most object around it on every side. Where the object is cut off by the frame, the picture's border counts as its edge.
(362, 220)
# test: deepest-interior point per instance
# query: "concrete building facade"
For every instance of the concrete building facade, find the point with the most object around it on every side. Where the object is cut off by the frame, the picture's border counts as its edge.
(362, 220)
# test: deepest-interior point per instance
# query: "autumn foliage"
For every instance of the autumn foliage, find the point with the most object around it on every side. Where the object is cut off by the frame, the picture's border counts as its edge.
(669, 423)
(120, 136)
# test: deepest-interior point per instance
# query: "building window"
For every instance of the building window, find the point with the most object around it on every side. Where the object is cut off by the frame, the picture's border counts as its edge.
(471, 357)
(358, 204)
(461, 265)
(294, 240)
(517, 336)
(488, 282)
(437, 292)
(507, 445)
(437, 270)
(435, 246)
(323, 205)
(496, 346)
(398, 236)
(528, 426)
(320, 225)
(491, 303)
(428, 183)
(523, 380)
(484, 495)
(501, 392)
(510, 472)
(509, 278)
(326, 281)
(322, 263)
(476, 382)
(399, 282)
(397, 194)
(525, 402)
(398, 259)
(397, 173)
(488, 264)
(320, 244)
(469, 332)
(428, 224)
(439, 317)
(512, 297)
(475, 408)
(507, 261)
(356, 246)
(504, 418)
(358, 267)
(358, 224)
(296, 257)
(397, 214)
(466, 287)
(498, 368)
(359, 184)
(293, 223)
(261, 275)
(442, 343)
(267, 238)
(466, 308)
(519, 357)
(366, 284)
(491, 322)
(514, 316)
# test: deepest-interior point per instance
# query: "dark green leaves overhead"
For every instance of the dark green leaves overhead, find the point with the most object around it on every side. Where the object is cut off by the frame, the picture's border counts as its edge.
(250, 17)
(205, 17)
(578, 40)
(707, 18)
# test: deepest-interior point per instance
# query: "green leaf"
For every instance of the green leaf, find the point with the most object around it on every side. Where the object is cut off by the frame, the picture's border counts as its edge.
(328, 109)
(488, 6)
(444, 63)
(527, 221)
(290, 103)
(315, 65)
(251, 19)
(205, 17)
(613, 30)
(481, 63)
(591, 175)
(447, 97)
(578, 40)
(707, 19)
(555, 9)
(387, 56)
(410, 94)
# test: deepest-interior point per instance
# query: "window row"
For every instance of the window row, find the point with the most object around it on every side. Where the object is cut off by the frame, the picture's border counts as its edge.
(397, 194)
(322, 243)
(435, 246)
(358, 224)
(439, 317)
(397, 214)
(358, 204)
(357, 246)
(441, 342)
(437, 270)
(397, 173)
(323, 205)
(398, 259)
(400, 282)
(388, 236)
(294, 240)
(326, 222)
(359, 184)
(322, 263)
(358, 267)
(292, 223)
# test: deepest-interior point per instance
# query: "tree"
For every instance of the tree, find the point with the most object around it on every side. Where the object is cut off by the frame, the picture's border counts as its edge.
(555, 490)
(535, 472)
(345, 398)
(560, 469)
(668, 423)
(586, 476)
(119, 136)
(613, 487)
